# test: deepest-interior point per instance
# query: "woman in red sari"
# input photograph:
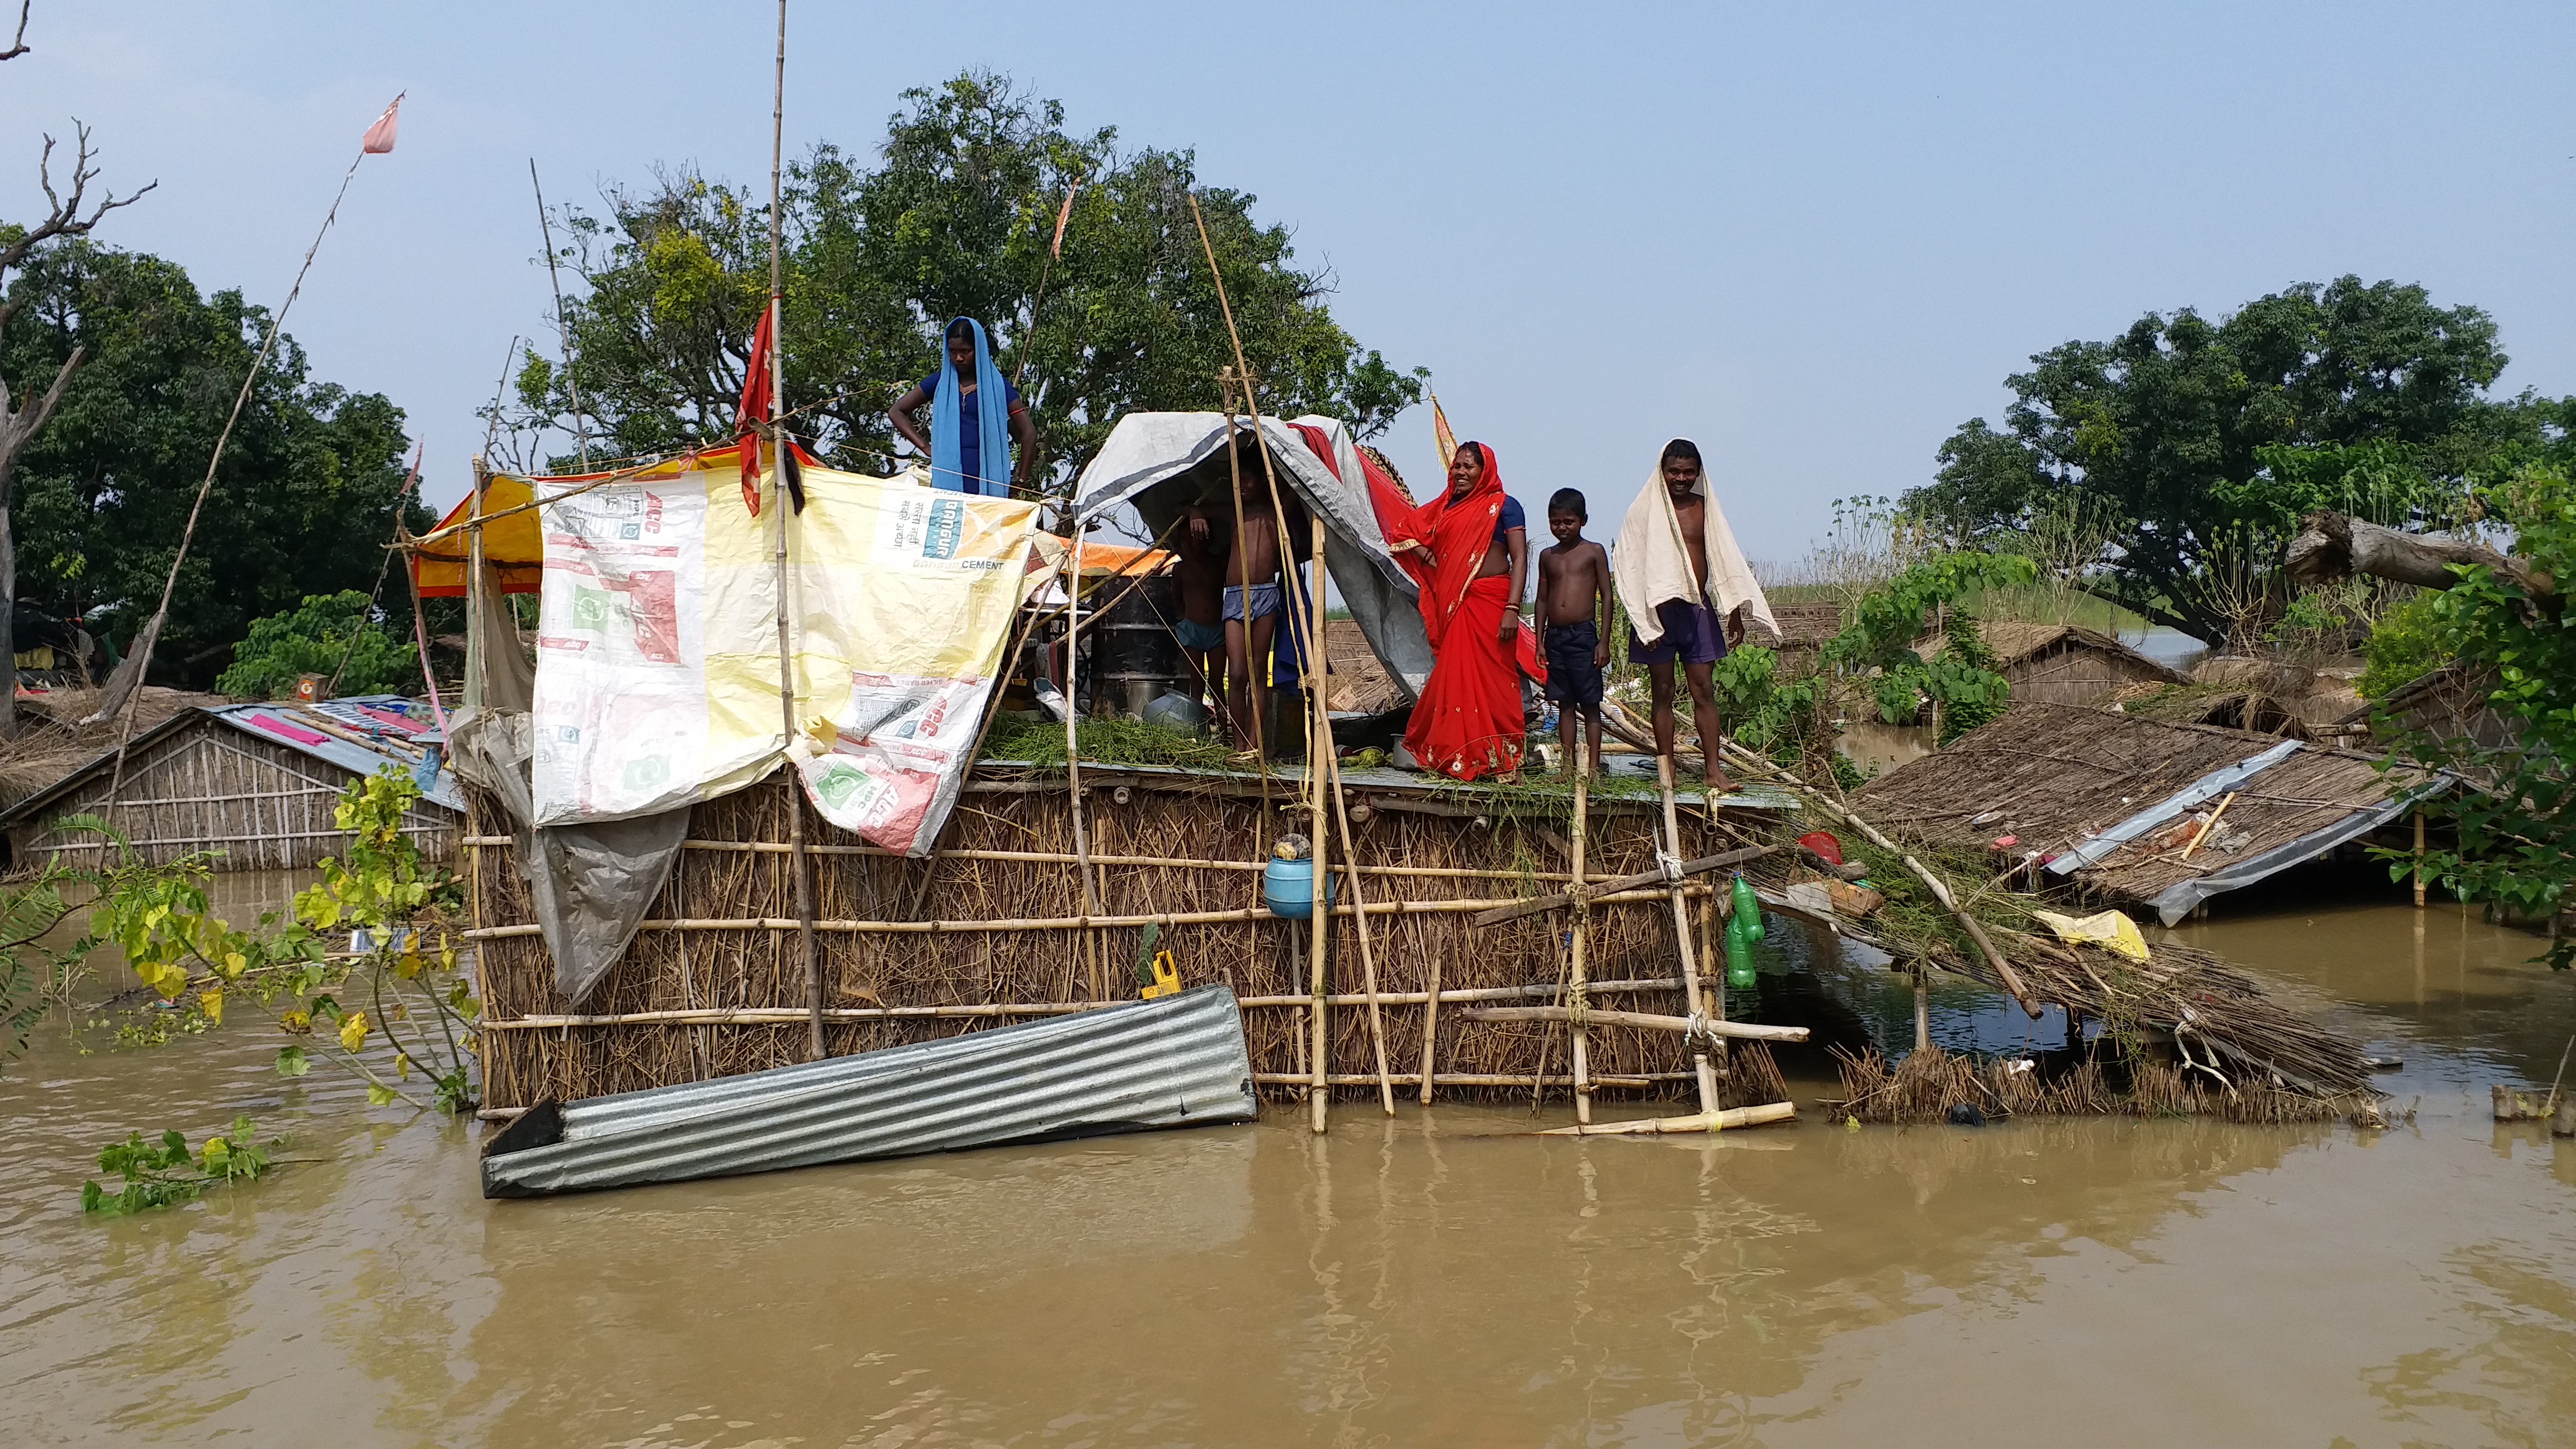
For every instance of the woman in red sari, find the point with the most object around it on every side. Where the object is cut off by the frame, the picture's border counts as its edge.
(1476, 543)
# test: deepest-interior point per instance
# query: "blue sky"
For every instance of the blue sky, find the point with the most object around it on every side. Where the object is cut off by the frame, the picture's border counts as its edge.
(1815, 238)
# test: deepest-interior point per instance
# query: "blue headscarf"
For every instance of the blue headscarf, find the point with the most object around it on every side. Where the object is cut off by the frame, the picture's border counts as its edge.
(992, 419)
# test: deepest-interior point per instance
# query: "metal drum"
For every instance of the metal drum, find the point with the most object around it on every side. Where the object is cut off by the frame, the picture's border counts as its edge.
(1133, 655)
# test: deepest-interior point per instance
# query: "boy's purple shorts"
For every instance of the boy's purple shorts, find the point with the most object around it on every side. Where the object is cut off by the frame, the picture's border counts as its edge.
(1693, 634)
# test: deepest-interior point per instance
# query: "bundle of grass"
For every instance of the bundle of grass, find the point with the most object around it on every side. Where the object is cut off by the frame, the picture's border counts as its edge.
(1931, 1085)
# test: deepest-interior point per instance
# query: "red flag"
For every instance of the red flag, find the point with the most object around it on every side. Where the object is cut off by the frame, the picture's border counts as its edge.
(380, 136)
(753, 410)
(1063, 215)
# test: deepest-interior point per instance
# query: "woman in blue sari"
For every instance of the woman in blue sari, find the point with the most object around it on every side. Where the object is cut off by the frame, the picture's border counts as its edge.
(969, 445)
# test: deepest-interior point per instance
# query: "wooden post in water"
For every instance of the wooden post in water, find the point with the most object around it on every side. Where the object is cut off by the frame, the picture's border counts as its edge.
(1430, 1025)
(1707, 1073)
(1922, 1012)
(1582, 931)
(1712, 974)
(2419, 860)
(1359, 905)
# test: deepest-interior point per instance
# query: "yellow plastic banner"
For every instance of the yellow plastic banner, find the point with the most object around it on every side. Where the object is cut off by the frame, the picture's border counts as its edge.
(658, 672)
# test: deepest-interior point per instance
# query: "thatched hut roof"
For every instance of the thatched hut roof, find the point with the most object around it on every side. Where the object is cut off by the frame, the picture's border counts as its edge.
(1359, 681)
(2448, 703)
(2101, 794)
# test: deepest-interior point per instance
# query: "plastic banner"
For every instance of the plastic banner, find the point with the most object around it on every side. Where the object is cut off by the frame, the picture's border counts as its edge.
(658, 676)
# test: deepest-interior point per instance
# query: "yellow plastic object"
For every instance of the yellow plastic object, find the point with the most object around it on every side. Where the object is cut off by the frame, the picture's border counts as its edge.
(2109, 929)
(1167, 978)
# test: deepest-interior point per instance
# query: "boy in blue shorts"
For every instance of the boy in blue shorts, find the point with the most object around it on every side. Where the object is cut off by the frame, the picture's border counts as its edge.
(1574, 609)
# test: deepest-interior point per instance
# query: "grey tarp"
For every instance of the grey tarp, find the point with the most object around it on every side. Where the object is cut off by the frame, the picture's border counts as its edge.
(1163, 462)
(2176, 900)
(590, 885)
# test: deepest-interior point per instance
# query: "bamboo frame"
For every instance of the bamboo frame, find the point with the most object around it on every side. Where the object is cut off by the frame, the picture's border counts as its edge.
(1057, 923)
(743, 1016)
(743, 966)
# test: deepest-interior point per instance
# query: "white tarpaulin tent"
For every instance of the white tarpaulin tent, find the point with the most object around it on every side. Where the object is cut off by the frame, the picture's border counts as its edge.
(1161, 463)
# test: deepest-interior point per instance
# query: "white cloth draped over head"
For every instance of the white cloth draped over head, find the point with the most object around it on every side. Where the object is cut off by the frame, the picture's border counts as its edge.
(1652, 565)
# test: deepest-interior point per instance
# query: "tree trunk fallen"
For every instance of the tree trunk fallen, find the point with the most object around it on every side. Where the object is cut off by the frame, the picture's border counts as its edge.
(2332, 546)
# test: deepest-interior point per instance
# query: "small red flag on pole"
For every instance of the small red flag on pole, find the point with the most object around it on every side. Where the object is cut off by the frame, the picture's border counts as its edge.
(753, 410)
(380, 136)
(1063, 215)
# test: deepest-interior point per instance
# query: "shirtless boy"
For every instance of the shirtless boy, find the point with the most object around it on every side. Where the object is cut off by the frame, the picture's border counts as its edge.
(1199, 579)
(1574, 597)
(1252, 601)
(1693, 635)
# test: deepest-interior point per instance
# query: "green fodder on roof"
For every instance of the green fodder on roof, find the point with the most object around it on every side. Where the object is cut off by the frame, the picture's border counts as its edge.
(1103, 742)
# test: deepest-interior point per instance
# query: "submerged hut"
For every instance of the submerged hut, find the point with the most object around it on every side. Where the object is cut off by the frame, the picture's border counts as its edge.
(635, 866)
(2068, 664)
(2147, 814)
(1801, 635)
(254, 784)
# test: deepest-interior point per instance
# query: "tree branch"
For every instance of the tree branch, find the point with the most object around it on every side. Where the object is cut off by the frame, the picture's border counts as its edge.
(19, 46)
(63, 213)
(2332, 546)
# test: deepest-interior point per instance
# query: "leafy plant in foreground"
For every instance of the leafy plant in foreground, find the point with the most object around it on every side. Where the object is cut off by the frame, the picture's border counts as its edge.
(168, 1172)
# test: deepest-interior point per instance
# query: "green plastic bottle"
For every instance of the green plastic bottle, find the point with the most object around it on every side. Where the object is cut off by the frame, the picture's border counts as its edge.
(1739, 953)
(1748, 909)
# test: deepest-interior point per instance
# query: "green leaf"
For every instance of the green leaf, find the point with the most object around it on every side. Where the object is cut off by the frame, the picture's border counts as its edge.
(291, 1062)
(380, 1096)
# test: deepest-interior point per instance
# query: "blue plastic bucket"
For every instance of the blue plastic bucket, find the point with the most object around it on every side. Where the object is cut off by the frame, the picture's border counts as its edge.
(1288, 888)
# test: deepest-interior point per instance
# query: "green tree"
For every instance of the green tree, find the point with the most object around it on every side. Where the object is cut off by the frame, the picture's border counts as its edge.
(954, 220)
(303, 504)
(2516, 833)
(336, 636)
(2201, 438)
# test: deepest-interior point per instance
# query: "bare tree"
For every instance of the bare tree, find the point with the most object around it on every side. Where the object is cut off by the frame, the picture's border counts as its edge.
(19, 46)
(22, 415)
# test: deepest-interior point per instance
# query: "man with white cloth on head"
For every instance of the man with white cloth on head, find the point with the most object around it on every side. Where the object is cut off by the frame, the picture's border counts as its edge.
(1687, 592)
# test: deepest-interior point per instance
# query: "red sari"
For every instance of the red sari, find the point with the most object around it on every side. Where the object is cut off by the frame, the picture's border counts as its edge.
(1468, 722)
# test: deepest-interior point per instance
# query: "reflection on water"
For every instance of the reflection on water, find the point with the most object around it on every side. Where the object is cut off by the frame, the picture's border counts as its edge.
(1437, 1279)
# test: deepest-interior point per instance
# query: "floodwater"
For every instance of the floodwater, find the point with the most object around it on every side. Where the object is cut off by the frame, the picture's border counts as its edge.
(1435, 1280)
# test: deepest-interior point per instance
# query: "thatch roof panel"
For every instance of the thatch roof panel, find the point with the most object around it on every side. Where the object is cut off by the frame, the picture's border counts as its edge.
(2054, 776)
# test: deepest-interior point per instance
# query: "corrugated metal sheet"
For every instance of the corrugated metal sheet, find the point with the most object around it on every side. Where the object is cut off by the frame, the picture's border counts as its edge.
(378, 719)
(2207, 787)
(1180, 1061)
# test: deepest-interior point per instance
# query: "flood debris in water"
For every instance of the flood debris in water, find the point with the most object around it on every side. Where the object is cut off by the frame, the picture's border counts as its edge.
(1932, 1085)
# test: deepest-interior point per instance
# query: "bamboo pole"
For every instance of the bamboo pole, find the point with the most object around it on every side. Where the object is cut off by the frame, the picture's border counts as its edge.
(1744, 1030)
(777, 1015)
(1700, 1065)
(1368, 952)
(803, 863)
(1608, 885)
(1985, 944)
(1703, 1122)
(1604, 884)
(2419, 860)
(1319, 743)
(1582, 932)
(2211, 824)
(1712, 978)
(1057, 923)
(1319, 733)
(1430, 1026)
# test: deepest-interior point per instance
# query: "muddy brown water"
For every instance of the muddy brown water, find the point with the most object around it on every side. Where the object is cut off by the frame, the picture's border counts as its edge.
(1434, 1280)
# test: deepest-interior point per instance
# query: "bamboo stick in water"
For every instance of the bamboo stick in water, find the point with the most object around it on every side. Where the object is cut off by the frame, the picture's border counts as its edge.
(1700, 1065)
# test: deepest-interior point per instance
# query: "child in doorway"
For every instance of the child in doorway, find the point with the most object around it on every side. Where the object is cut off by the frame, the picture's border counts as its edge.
(1574, 594)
